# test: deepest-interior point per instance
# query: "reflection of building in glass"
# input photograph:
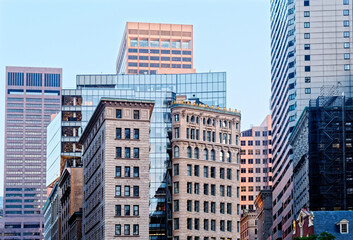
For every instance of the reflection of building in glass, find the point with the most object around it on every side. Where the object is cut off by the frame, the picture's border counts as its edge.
(205, 171)
(32, 96)
(155, 48)
(322, 180)
(210, 88)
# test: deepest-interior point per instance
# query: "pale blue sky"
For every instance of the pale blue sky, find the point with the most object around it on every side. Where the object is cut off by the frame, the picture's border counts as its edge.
(84, 37)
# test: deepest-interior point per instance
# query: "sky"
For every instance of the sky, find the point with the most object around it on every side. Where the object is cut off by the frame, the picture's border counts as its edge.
(83, 37)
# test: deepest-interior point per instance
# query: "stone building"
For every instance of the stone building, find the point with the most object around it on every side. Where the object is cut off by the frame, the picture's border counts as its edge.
(248, 226)
(116, 170)
(263, 204)
(205, 161)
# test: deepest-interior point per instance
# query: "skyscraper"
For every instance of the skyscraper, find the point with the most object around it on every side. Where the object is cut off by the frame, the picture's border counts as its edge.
(311, 55)
(156, 48)
(32, 95)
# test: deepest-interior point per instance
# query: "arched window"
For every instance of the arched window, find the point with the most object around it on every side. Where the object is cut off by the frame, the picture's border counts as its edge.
(209, 122)
(189, 152)
(229, 157)
(213, 155)
(205, 154)
(192, 119)
(176, 151)
(224, 138)
(221, 156)
(196, 153)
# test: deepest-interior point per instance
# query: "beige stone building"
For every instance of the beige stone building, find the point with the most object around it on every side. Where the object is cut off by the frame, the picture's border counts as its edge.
(206, 172)
(248, 226)
(116, 170)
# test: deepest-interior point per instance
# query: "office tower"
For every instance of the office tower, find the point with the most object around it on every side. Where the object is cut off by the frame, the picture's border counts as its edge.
(311, 50)
(205, 176)
(321, 140)
(71, 197)
(52, 214)
(263, 204)
(53, 149)
(210, 88)
(116, 170)
(32, 95)
(156, 48)
(255, 163)
(248, 226)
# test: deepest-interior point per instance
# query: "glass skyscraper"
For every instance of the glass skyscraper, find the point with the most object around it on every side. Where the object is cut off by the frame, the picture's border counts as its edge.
(79, 104)
(311, 56)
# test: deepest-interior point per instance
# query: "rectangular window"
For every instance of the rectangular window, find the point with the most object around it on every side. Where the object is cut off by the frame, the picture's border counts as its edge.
(346, 45)
(229, 191)
(118, 113)
(135, 229)
(196, 170)
(127, 171)
(118, 229)
(118, 171)
(126, 229)
(127, 191)
(307, 57)
(118, 191)
(205, 172)
(127, 133)
(136, 114)
(306, 46)
(213, 207)
(127, 210)
(189, 206)
(205, 207)
(307, 79)
(347, 67)
(346, 12)
(188, 170)
(213, 172)
(176, 205)
(136, 153)
(306, 3)
(176, 132)
(118, 133)
(136, 191)
(197, 188)
(306, 13)
(306, 35)
(307, 90)
(347, 56)
(346, 34)
(118, 152)
(213, 189)
(189, 187)
(176, 187)
(205, 189)
(136, 133)
(189, 223)
(307, 68)
(306, 24)
(117, 210)
(127, 152)
(176, 223)
(136, 172)
(346, 23)
(176, 169)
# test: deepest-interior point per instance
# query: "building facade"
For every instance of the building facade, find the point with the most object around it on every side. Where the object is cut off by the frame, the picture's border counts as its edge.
(263, 204)
(116, 170)
(52, 215)
(255, 163)
(156, 48)
(205, 180)
(32, 95)
(71, 195)
(322, 179)
(248, 225)
(79, 104)
(311, 53)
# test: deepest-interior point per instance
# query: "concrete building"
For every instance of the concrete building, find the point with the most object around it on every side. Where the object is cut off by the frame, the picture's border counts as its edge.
(248, 226)
(205, 181)
(255, 163)
(311, 53)
(71, 198)
(156, 48)
(52, 215)
(116, 170)
(322, 181)
(210, 88)
(337, 223)
(263, 204)
(32, 95)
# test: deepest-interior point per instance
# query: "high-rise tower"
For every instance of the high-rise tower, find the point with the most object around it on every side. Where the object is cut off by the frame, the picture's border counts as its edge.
(156, 48)
(32, 95)
(310, 57)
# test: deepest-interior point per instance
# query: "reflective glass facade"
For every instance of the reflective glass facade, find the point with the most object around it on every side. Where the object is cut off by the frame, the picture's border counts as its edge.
(79, 104)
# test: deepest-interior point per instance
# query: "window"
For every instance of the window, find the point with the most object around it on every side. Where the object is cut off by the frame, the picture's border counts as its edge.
(197, 224)
(222, 227)
(189, 223)
(197, 206)
(346, 45)
(118, 113)
(127, 171)
(176, 223)
(213, 189)
(306, 46)
(213, 155)
(196, 170)
(307, 90)
(213, 225)
(229, 226)
(136, 191)
(213, 172)
(136, 133)
(307, 57)
(127, 133)
(127, 152)
(306, 13)
(221, 156)
(229, 208)
(176, 187)
(127, 191)
(176, 169)
(229, 191)
(196, 153)
(221, 173)
(346, 23)
(118, 191)
(189, 187)
(118, 152)
(117, 210)
(346, 34)
(306, 3)
(176, 132)
(176, 205)
(213, 207)
(306, 35)
(176, 118)
(189, 205)
(345, 2)
(188, 152)
(205, 189)
(118, 171)
(127, 229)
(136, 172)
(197, 188)
(118, 133)
(306, 24)
(205, 154)
(135, 229)
(347, 56)
(205, 224)
(188, 170)
(127, 210)
(307, 79)
(176, 151)
(205, 171)
(136, 114)
(117, 229)
(346, 12)
(205, 207)
(222, 208)
(347, 67)
(307, 68)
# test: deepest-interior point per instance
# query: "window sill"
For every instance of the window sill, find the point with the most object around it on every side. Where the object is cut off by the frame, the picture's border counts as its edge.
(126, 236)
(126, 197)
(126, 216)
(126, 177)
(131, 139)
